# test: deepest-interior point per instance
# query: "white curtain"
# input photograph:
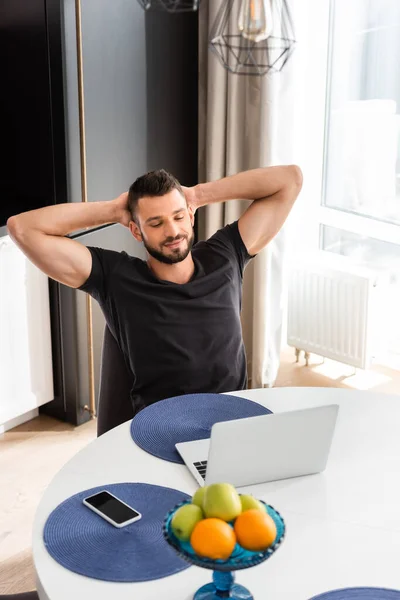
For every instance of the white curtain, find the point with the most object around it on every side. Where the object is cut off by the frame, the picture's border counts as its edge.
(247, 122)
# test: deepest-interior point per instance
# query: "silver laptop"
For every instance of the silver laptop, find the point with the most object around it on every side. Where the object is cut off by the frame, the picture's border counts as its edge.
(265, 448)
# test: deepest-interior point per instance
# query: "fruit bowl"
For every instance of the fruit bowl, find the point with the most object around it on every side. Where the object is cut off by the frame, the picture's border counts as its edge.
(223, 585)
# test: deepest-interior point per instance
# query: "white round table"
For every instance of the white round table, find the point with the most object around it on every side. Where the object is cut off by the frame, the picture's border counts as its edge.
(343, 525)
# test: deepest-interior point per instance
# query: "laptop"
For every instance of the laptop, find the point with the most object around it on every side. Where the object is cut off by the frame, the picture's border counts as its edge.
(265, 448)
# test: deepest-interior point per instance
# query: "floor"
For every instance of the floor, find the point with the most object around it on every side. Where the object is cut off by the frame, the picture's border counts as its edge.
(30, 456)
(328, 373)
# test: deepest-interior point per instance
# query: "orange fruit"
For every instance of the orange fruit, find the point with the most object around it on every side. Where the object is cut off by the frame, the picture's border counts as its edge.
(255, 530)
(213, 538)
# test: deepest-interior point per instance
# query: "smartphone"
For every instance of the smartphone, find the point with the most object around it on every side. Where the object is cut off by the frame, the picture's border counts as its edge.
(112, 509)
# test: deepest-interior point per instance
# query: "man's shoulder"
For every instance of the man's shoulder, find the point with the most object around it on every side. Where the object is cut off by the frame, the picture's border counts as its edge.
(107, 264)
(223, 233)
(113, 256)
(224, 240)
(227, 243)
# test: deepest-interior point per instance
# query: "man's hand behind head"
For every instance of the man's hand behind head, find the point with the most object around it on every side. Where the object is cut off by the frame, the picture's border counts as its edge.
(191, 198)
(123, 212)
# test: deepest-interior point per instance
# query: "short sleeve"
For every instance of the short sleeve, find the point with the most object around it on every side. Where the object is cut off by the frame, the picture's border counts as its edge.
(103, 264)
(230, 240)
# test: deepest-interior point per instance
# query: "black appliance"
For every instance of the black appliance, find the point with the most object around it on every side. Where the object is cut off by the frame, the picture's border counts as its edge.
(140, 85)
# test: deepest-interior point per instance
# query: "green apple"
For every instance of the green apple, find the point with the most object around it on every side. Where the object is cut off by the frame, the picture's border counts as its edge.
(198, 497)
(222, 501)
(184, 521)
(248, 502)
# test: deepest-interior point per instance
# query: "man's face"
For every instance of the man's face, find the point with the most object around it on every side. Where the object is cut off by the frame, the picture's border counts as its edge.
(165, 226)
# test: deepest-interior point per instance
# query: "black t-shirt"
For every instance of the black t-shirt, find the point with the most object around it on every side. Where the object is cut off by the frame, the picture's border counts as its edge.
(176, 338)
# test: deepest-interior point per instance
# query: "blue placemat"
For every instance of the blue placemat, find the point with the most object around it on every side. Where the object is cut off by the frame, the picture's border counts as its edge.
(83, 542)
(364, 593)
(158, 427)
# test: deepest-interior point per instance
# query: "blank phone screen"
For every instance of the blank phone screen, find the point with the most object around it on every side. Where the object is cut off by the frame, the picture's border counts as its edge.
(112, 507)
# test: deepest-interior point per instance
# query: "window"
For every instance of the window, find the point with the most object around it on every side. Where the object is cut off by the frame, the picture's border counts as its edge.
(362, 139)
(359, 212)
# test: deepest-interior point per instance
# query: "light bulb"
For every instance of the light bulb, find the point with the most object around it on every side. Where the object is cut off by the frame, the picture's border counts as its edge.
(255, 19)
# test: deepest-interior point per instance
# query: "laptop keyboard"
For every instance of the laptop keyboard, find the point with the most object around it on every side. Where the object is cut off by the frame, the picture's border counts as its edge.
(201, 468)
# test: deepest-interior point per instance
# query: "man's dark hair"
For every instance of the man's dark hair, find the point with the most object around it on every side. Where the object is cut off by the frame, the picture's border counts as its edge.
(153, 183)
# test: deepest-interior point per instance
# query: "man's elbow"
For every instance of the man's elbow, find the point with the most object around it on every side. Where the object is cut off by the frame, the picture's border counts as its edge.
(296, 177)
(12, 225)
(15, 228)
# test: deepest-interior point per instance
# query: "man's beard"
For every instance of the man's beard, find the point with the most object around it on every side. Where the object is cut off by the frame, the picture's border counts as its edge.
(176, 255)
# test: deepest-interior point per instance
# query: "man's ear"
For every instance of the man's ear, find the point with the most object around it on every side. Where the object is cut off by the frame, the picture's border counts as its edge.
(135, 231)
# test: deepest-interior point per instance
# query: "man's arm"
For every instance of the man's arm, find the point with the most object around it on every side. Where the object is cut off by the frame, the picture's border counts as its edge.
(40, 234)
(274, 191)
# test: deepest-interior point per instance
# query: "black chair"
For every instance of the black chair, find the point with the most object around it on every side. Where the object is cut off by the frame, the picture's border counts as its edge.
(114, 404)
(24, 596)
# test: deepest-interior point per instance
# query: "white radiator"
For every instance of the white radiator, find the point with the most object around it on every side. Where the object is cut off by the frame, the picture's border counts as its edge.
(333, 309)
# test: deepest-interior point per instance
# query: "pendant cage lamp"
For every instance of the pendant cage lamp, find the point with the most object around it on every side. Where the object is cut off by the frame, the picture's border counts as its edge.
(253, 37)
(171, 6)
